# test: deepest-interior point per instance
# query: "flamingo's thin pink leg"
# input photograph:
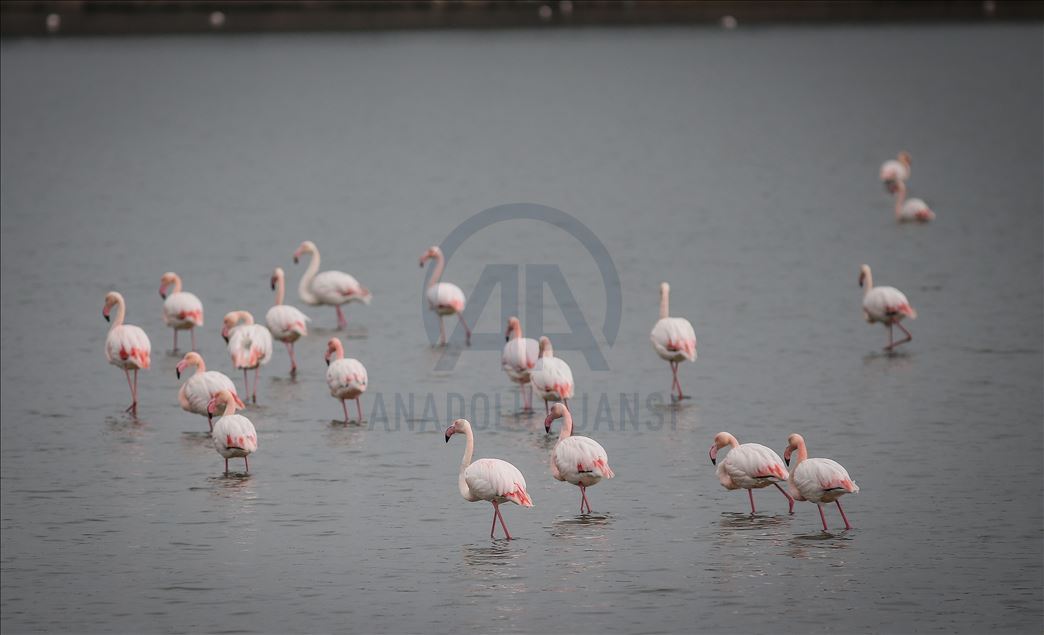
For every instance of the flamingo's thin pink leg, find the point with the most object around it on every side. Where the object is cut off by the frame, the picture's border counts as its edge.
(467, 331)
(226, 466)
(502, 524)
(358, 408)
(210, 421)
(583, 500)
(751, 493)
(175, 341)
(342, 322)
(257, 371)
(193, 331)
(522, 394)
(790, 499)
(821, 516)
(442, 331)
(246, 382)
(890, 345)
(845, 518)
(903, 329)
(293, 362)
(494, 527)
(344, 404)
(246, 462)
(126, 371)
(529, 398)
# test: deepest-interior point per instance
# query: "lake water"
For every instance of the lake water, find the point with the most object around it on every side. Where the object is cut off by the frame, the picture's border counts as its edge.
(740, 166)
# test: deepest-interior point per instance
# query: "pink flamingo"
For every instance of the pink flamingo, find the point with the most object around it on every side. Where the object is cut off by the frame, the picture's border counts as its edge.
(818, 480)
(887, 305)
(910, 210)
(346, 377)
(518, 358)
(895, 171)
(578, 460)
(197, 391)
(126, 345)
(748, 466)
(444, 298)
(233, 435)
(181, 309)
(249, 346)
(285, 321)
(332, 288)
(673, 339)
(490, 480)
(551, 377)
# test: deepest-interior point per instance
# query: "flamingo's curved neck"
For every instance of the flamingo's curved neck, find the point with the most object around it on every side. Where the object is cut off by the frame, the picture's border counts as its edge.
(197, 361)
(567, 426)
(440, 264)
(338, 350)
(230, 408)
(665, 302)
(547, 350)
(177, 284)
(121, 311)
(516, 332)
(280, 290)
(802, 454)
(304, 288)
(868, 281)
(469, 449)
(244, 317)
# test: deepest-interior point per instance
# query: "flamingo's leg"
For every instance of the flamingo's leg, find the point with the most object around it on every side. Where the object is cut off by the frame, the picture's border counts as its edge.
(293, 361)
(751, 493)
(358, 408)
(522, 394)
(821, 516)
(790, 499)
(210, 421)
(246, 462)
(890, 344)
(193, 331)
(226, 466)
(246, 382)
(126, 371)
(501, 516)
(175, 341)
(344, 404)
(494, 527)
(257, 371)
(467, 331)
(843, 517)
(529, 398)
(442, 332)
(342, 322)
(903, 329)
(583, 500)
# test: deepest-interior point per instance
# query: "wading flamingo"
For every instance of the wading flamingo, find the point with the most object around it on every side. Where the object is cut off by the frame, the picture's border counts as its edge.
(518, 358)
(197, 391)
(895, 171)
(444, 298)
(673, 339)
(748, 466)
(818, 480)
(126, 345)
(233, 435)
(285, 321)
(249, 346)
(346, 377)
(551, 377)
(490, 480)
(910, 210)
(887, 305)
(332, 288)
(181, 309)
(578, 460)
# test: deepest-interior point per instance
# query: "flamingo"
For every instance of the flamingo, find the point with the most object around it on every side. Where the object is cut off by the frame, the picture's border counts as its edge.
(673, 339)
(887, 305)
(233, 435)
(914, 209)
(346, 377)
(895, 171)
(126, 345)
(490, 480)
(818, 480)
(551, 377)
(332, 288)
(578, 460)
(444, 298)
(197, 391)
(285, 321)
(518, 358)
(249, 346)
(748, 466)
(181, 309)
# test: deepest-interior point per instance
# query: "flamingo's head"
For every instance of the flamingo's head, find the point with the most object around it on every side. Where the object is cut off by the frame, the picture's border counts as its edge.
(665, 288)
(334, 349)
(166, 280)
(277, 275)
(794, 441)
(546, 350)
(557, 412)
(112, 298)
(513, 326)
(905, 158)
(721, 440)
(306, 247)
(864, 273)
(228, 323)
(432, 252)
(460, 425)
(190, 359)
(224, 398)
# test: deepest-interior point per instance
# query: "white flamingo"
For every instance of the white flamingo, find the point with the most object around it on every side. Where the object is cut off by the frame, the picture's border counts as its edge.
(181, 309)
(233, 435)
(551, 377)
(818, 480)
(910, 210)
(581, 461)
(332, 288)
(444, 298)
(285, 321)
(490, 480)
(126, 345)
(895, 171)
(518, 358)
(673, 339)
(197, 391)
(249, 346)
(749, 466)
(887, 305)
(346, 378)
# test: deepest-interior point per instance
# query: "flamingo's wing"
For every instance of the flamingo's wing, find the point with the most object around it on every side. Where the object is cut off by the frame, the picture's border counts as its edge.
(448, 295)
(284, 319)
(582, 455)
(182, 307)
(128, 345)
(673, 336)
(494, 478)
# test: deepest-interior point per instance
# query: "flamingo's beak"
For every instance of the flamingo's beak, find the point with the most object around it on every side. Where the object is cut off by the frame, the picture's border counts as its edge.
(862, 279)
(163, 292)
(449, 433)
(272, 283)
(547, 423)
(177, 371)
(295, 259)
(714, 455)
(105, 315)
(224, 333)
(786, 456)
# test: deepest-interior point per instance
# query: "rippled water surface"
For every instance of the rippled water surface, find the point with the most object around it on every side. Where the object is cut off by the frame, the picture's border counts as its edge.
(740, 166)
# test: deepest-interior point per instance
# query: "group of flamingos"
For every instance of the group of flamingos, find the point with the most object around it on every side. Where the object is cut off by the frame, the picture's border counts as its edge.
(531, 364)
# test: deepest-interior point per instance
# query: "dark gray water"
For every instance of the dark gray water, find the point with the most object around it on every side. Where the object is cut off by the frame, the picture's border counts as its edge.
(740, 166)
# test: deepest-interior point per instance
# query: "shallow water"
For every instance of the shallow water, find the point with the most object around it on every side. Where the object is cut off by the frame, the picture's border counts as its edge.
(740, 166)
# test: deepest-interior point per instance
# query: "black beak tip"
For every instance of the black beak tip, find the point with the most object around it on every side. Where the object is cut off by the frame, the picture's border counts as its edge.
(226, 338)
(714, 461)
(163, 295)
(327, 362)
(272, 286)
(787, 461)
(547, 429)
(507, 338)
(106, 317)
(295, 260)
(447, 438)
(178, 373)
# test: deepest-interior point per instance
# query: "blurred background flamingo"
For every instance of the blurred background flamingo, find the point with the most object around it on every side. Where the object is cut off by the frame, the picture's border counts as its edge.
(673, 339)
(126, 345)
(551, 377)
(197, 391)
(518, 358)
(581, 461)
(286, 322)
(332, 288)
(181, 309)
(249, 346)
(887, 305)
(818, 480)
(894, 171)
(444, 298)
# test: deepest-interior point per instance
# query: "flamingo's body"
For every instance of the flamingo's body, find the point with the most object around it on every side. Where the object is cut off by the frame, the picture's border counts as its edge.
(887, 305)
(444, 298)
(551, 377)
(895, 171)
(912, 210)
(249, 346)
(126, 346)
(490, 480)
(181, 309)
(581, 461)
(286, 322)
(818, 480)
(673, 339)
(233, 435)
(332, 288)
(749, 466)
(198, 390)
(518, 358)
(346, 377)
